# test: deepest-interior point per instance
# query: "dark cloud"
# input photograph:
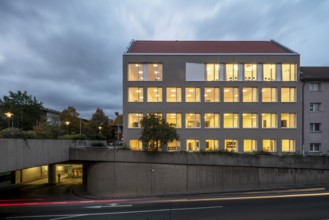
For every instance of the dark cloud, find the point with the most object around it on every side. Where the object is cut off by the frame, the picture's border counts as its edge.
(69, 52)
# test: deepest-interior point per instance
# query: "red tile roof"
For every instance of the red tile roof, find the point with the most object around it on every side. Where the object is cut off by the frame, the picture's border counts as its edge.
(207, 47)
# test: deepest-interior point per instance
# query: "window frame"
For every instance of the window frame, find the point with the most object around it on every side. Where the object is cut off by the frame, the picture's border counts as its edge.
(216, 116)
(159, 94)
(195, 121)
(233, 120)
(254, 73)
(313, 145)
(315, 127)
(313, 107)
(139, 118)
(197, 97)
(291, 95)
(178, 93)
(178, 121)
(235, 94)
(140, 90)
(215, 93)
(253, 90)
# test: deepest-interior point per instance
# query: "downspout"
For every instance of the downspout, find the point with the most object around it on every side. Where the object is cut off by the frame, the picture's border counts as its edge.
(303, 114)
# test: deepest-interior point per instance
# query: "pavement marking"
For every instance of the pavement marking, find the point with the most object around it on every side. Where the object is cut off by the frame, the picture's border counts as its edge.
(112, 205)
(58, 217)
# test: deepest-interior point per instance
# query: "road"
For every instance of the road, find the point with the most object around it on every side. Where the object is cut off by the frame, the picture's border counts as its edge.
(281, 204)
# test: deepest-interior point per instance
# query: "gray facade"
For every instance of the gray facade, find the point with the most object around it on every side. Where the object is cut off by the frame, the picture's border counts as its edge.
(174, 74)
(316, 110)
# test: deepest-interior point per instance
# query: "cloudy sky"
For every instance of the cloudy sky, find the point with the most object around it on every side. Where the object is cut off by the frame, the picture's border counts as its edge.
(69, 52)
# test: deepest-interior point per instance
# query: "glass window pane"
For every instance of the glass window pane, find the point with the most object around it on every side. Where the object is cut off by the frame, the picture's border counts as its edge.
(289, 72)
(288, 120)
(154, 94)
(212, 72)
(195, 72)
(269, 72)
(231, 120)
(154, 72)
(250, 72)
(192, 145)
(249, 94)
(269, 94)
(135, 144)
(288, 145)
(231, 145)
(232, 72)
(174, 119)
(192, 94)
(174, 145)
(174, 94)
(135, 94)
(231, 94)
(249, 120)
(211, 94)
(134, 120)
(269, 145)
(211, 120)
(212, 145)
(135, 72)
(192, 120)
(288, 95)
(269, 120)
(249, 145)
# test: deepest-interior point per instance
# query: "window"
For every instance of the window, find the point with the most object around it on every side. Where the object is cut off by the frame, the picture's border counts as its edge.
(269, 94)
(232, 72)
(144, 72)
(250, 94)
(288, 120)
(211, 94)
(195, 72)
(288, 95)
(212, 145)
(174, 119)
(135, 94)
(231, 94)
(315, 147)
(288, 145)
(231, 120)
(174, 94)
(231, 145)
(154, 94)
(269, 145)
(249, 145)
(212, 72)
(211, 120)
(269, 72)
(192, 94)
(134, 119)
(289, 72)
(136, 144)
(156, 114)
(269, 120)
(315, 127)
(249, 120)
(192, 120)
(250, 72)
(315, 107)
(174, 145)
(192, 145)
(315, 87)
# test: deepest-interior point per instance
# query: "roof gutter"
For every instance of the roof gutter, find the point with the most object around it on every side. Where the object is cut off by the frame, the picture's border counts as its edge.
(210, 54)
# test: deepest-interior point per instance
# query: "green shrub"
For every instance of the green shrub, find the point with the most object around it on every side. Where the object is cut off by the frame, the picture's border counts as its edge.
(11, 133)
(73, 137)
(98, 144)
(97, 137)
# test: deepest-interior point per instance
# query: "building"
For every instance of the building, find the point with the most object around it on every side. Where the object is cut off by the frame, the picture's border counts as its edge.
(240, 96)
(315, 83)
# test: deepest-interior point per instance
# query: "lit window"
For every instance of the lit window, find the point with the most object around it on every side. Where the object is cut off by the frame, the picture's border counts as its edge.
(231, 120)
(249, 145)
(154, 94)
(174, 119)
(231, 145)
(174, 94)
(192, 145)
(315, 87)
(211, 120)
(288, 95)
(192, 94)
(136, 144)
(174, 145)
(192, 120)
(289, 72)
(249, 94)
(211, 94)
(288, 120)
(144, 72)
(134, 120)
(288, 145)
(249, 120)
(269, 72)
(315, 127)
(156, 114)
(315, 147)
(212, 72)
(250, 72)
(269, 145)
(315, 107)
(231, 94)
(135, 94)
(269, 94)
(212, 145)
(269, 120)
(232, 72)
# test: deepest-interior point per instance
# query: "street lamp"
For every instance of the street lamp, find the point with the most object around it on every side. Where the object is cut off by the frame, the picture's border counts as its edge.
(67, 124)
(100, 129)
(9, 115)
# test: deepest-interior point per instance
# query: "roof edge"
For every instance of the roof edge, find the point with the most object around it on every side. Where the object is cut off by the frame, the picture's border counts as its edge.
(285, 47)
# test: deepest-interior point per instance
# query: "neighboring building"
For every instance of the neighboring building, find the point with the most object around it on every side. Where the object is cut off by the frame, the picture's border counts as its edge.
(52, 116)
(240, 96)
(316, 109)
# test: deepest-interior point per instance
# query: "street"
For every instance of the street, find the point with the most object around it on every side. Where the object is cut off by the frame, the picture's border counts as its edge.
(298, 204)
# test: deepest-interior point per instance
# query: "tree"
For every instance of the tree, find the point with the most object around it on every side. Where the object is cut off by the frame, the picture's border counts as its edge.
(26, 110)
(156, 132)
(70, 120)
(100, 123)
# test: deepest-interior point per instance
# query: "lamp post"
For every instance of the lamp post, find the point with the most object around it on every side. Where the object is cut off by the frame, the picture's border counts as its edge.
(9, 115)
(67, 124)
(100, 129)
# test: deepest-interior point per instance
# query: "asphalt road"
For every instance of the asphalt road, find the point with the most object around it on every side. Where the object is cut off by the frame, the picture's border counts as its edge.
(292, 204)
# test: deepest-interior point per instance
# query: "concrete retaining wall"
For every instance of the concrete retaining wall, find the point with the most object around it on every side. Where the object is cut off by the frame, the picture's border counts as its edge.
(126, 173)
